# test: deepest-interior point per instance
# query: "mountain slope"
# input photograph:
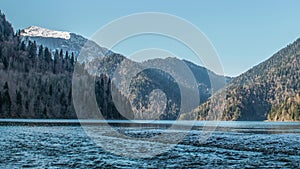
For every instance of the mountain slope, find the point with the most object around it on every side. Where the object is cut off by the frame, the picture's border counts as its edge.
(56, 40)
(258, 93)
(37, 83)
(149, 79)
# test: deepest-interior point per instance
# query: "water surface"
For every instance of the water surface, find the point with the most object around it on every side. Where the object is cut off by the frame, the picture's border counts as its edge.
(64, 144)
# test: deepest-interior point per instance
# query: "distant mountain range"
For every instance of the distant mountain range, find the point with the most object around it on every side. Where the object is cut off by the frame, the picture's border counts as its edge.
(37, 84)
(150, 79)
(38, 50)
(97, 64)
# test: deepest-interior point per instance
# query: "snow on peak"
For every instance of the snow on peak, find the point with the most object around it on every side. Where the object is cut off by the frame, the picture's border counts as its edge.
(43, 32)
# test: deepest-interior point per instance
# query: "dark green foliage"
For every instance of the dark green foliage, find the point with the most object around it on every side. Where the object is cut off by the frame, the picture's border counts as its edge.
(31, 88)
(56, 62)
(72, 59)
(19, 98)
(35, 85)
(47, 56)
(32, 49)
(104, 99)
(6, 30)
(6, 101)
(23, 46)
(41, 51)
(19, 102)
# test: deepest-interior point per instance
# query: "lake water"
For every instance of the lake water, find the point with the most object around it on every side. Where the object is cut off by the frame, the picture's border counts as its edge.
(65, 144)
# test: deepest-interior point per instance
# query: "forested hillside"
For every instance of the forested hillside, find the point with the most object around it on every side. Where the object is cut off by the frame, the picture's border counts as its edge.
(268, 91)
(33, 84)
(38, 84)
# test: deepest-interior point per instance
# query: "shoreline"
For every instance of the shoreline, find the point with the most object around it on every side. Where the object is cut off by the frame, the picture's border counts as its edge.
(139, 123)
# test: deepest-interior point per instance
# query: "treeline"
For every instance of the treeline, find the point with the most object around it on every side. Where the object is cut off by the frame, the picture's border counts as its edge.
(30, 57)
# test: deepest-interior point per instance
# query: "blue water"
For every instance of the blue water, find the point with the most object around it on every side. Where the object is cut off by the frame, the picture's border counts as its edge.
(65, 144)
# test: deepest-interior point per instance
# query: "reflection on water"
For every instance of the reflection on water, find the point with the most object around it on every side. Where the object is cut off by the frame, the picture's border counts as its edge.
(64, 144)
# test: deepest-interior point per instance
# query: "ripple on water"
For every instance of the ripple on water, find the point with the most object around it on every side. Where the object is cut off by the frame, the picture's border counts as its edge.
(69, 147)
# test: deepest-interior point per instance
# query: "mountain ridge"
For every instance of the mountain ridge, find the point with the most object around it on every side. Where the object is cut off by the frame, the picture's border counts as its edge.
(262, 93)
(66, 41)
(268, 91)
(45, 91)
(36, 31)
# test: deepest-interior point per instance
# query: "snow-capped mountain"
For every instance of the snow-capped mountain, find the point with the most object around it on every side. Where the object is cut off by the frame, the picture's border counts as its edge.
(36, 31)
(67, 41)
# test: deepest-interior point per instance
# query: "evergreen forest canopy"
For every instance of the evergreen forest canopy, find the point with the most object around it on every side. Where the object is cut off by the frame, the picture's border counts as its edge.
(35, 83)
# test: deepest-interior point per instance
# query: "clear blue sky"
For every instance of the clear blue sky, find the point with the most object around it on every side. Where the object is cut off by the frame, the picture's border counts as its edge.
(244, 33)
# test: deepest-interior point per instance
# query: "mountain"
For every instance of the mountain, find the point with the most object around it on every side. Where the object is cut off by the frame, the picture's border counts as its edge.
(57, 40)
(268, 91)
(74, 43)
(31, 87)
(37, 82)
(39, 85)
(144, 79)
(36, 78)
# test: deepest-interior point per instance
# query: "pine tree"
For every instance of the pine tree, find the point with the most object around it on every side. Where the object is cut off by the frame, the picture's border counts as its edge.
(23, 46)
(61, 60)
(19, 102)
(47, 55)
(56, 62)
(67, 55)
(72, 59)
(66, 66)
(19, 98)
(32, 48)
(6, 105)
(61, 54)
(41, 52)
(50, 90)
(40, 58)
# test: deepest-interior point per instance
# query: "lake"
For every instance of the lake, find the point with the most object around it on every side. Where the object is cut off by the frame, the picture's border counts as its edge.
(126, 144)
